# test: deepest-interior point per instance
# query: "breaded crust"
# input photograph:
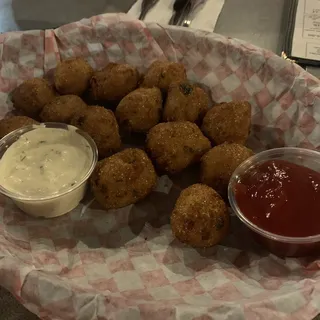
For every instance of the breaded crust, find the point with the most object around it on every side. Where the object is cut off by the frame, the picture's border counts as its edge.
(185, 102)
(16, 122)
(113, 82)
(32, 95)
(123, 179)
(218, 165)
(162, 74)
(228, 122)
(176, 145)
(200, 217)
(72, 76)
(62, 109)
(140, 110)
(102, 126)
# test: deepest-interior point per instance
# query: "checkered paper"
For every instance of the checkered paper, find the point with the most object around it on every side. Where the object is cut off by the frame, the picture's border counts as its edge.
(125, 264)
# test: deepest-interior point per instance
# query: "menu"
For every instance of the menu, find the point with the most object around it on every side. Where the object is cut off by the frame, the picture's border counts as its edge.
(304, 41)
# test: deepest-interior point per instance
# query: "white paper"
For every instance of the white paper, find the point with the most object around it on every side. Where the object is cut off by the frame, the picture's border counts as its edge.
(204, 19)
(306, 36)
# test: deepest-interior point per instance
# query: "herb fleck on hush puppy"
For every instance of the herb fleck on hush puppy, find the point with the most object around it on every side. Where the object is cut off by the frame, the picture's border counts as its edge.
(123, 179)
(185, 102)
(200, 217)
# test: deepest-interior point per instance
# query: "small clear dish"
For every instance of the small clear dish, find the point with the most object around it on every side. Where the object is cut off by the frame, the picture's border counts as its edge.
(59, 203)
(275, 243)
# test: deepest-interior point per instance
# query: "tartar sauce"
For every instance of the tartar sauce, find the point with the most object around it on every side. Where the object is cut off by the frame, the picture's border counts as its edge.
(45, 162)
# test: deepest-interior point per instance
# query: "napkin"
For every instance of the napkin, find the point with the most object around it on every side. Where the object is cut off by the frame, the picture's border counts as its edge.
(205, 17)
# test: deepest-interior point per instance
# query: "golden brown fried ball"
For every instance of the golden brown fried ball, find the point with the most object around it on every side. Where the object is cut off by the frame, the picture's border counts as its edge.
(200, 217)
(62, 109)
(72, 76)
(176, 145)
(102, 126)
(185, 102)
(32, 95)
(218, 165)
(123, 179)
(16, 122)
(162, 74)
(228, 122)
(140, 110)
(113, 82)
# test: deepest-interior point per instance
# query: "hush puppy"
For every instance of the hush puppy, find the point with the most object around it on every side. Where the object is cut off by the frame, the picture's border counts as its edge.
(228, 122)
(114, 82)
(162, 74)
(32, 95)
(102, 126)
(16, 122)
(218, 165)
(200, 217)
(176, 145)
(62, 109)
(72, 76)
(123, 179)
(185, 102)
(140, 110)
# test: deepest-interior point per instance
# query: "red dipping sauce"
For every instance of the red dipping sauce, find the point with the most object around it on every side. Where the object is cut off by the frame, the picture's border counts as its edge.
(279, 200)
(281, 197)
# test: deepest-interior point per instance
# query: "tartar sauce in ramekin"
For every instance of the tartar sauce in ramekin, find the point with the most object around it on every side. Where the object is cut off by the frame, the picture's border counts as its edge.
(44, 170)
(44, 162)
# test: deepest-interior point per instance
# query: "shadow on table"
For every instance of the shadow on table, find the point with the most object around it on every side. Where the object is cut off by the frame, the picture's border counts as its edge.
(11, 309)
(47, 14)
(35, 25)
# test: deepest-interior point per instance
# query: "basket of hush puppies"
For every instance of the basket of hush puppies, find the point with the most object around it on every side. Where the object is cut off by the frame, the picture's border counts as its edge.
(171, 162)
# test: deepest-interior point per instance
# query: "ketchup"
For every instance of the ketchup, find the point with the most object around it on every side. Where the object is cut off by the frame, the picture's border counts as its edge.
(281, 197)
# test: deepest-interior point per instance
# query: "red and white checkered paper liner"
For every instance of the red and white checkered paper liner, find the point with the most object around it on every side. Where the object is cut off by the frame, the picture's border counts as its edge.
(125, 264)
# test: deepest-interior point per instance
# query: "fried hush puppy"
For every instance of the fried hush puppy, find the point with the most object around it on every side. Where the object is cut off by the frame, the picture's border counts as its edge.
(162, 74)
(228, 122)
(62, 109)
(32, 95)
(123, 179)
(16, 122)
(218, 165)
(185, 102)
(176, 145)
(140, 110)
(72, 76)
(113, 82)
(200, 217)
(102, 126)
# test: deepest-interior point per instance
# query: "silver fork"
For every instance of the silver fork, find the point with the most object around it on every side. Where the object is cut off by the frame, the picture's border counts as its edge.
(191, 9)
(179, 7)
(145, 7)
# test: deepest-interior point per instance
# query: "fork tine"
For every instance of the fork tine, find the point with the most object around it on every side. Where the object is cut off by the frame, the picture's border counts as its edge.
(186, 23)
(145, 7)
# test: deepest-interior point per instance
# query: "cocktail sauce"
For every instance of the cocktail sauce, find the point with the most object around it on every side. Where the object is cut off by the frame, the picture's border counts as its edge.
(281, 197)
